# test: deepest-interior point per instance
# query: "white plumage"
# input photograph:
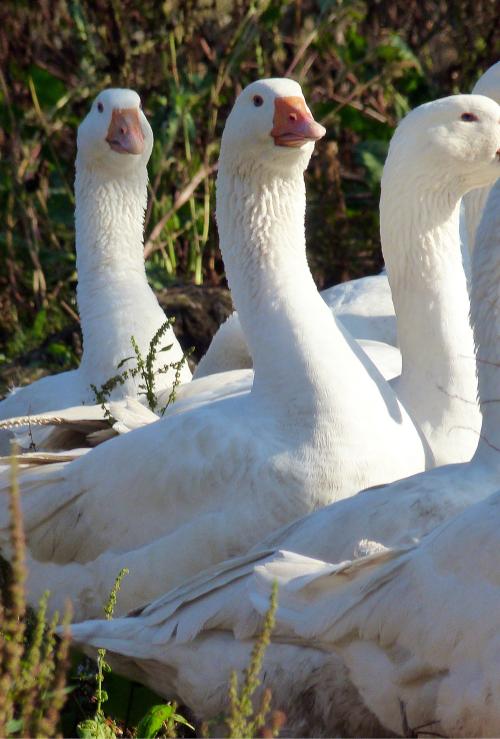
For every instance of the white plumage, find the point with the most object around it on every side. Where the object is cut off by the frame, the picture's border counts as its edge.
(233, 482)
(417, 630)
(207, 483)
(437, 385)
(488, 84)
(420, 627)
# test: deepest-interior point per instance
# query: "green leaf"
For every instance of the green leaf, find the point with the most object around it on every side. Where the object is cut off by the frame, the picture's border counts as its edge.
(14, 725)
(39, 324)
(181, 720)
(59, 350)
(394, 48)
(372, 155)
(48, 88)
(154, 719)
(122, 362)
(95, 729)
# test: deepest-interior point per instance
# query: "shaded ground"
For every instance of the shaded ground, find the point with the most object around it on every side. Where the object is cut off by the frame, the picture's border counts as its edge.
(198, 312)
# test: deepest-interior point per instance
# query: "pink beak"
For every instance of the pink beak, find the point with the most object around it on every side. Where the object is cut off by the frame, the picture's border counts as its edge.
(293, 123)
(125, 133)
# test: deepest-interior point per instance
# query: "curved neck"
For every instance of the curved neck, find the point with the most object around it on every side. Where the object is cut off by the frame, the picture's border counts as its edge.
(114, 298)
(421, 246)
(485, 312)
(303, 360)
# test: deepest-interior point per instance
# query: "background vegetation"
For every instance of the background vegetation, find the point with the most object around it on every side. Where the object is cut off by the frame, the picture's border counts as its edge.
(362, 64)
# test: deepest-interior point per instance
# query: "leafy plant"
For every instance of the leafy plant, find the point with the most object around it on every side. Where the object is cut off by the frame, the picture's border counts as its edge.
(33, 662)
(145, 370)
(98, 726)
(159, 718)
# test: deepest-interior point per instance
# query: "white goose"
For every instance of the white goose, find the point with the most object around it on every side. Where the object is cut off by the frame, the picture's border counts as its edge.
(318, 424)
(422, 251)
(394, 514)
(114, 299)
(416, 629)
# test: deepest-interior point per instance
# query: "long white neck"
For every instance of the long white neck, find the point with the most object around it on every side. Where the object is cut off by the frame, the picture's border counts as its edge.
(421, 246)
(485, 312)
(114, 298)
(305, 365)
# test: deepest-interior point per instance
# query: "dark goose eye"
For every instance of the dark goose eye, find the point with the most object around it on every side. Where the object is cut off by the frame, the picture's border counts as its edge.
(100, 107)
(469, 117)
(258, 101)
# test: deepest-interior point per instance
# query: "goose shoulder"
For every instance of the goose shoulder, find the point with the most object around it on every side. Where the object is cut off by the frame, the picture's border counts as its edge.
(419, 630)
(175, 470)
(365, 308)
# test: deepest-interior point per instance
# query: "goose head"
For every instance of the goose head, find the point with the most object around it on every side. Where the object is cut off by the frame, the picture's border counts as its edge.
(115, 134)
(270, 126)
(453, 142)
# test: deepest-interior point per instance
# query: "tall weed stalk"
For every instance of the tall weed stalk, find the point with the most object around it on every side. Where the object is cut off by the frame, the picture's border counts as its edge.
(33, 662)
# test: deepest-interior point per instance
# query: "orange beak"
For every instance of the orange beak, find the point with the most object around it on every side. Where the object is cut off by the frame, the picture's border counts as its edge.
(125, 132)
(293, 123)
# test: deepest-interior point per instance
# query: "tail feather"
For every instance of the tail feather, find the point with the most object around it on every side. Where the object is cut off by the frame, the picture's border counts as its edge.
(315, 597)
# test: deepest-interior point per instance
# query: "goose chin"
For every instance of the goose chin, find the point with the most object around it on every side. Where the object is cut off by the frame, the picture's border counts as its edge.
(292, 141)
(118, 147)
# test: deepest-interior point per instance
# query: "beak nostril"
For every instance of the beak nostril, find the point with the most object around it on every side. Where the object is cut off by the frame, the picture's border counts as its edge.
(123, 130)
(293, 116)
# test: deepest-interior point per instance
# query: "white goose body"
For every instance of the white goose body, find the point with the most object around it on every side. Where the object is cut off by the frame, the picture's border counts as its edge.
(170, 642)
(365, 307)
(400, 639)
(204, 484)
(114, 298)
